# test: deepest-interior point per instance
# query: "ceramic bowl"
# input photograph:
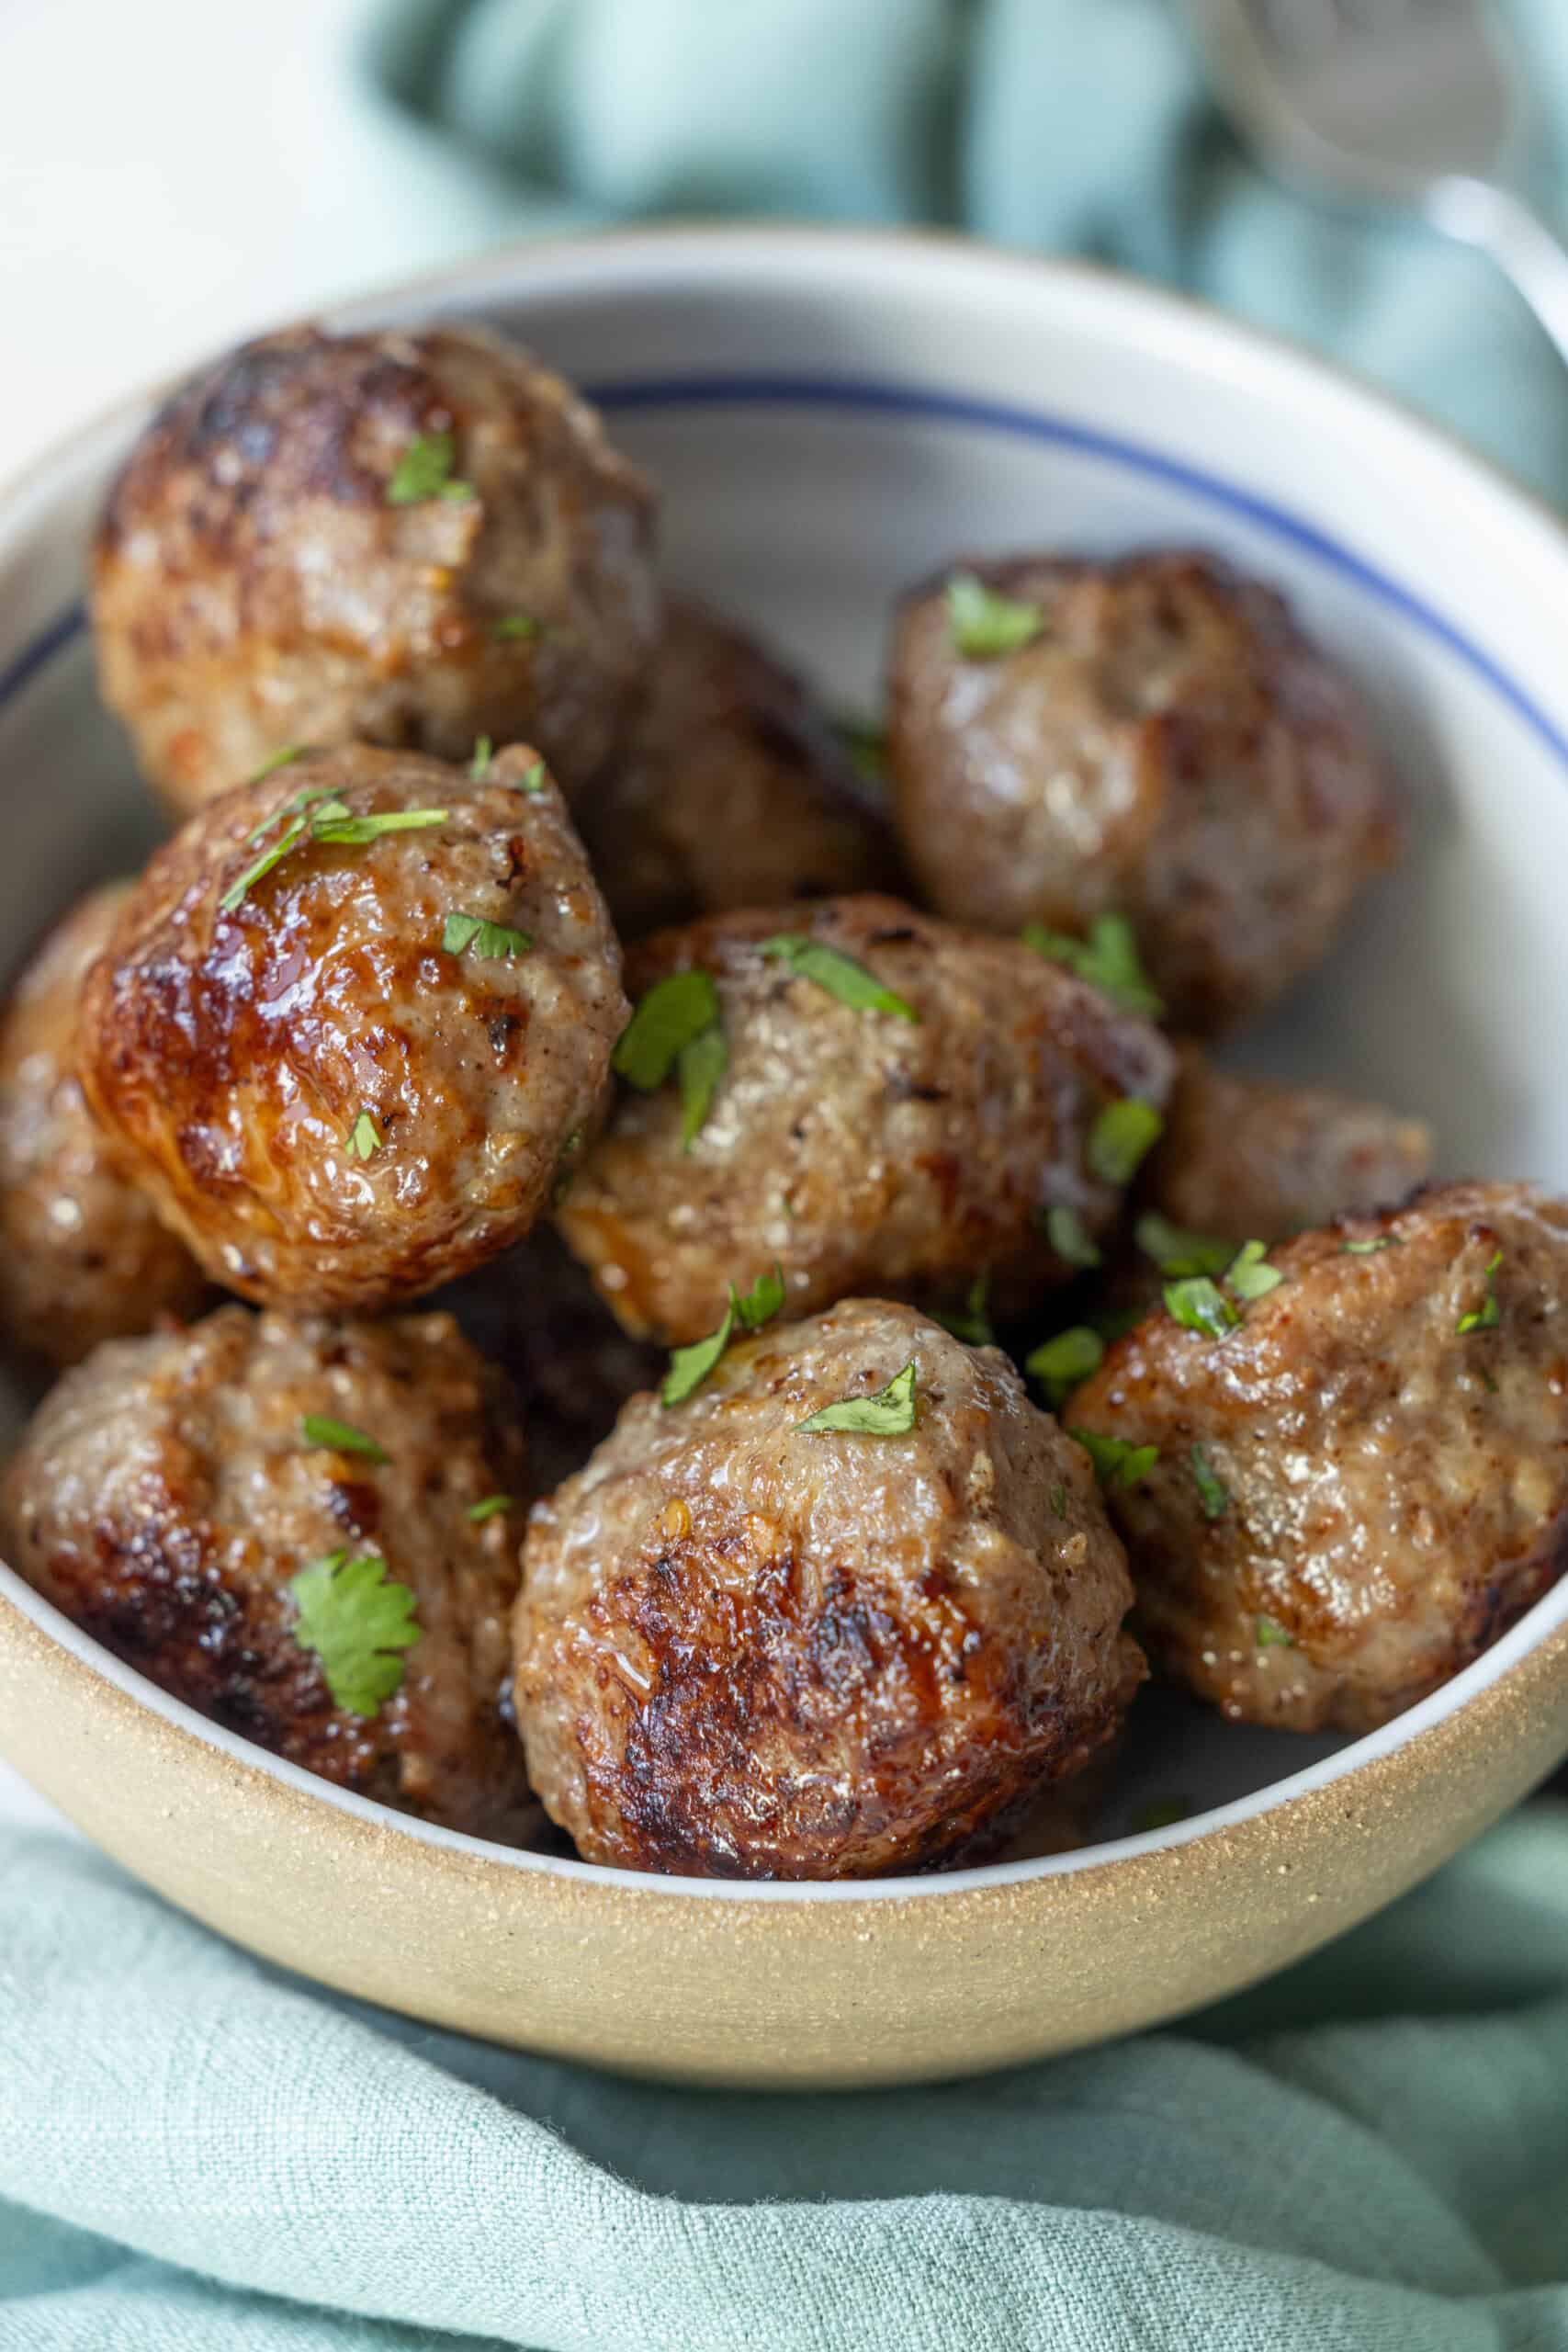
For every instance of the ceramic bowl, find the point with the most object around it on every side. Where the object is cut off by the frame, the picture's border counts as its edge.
(831, 415)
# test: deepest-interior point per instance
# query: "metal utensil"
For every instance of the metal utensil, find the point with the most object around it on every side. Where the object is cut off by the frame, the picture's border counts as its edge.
(1413, 103)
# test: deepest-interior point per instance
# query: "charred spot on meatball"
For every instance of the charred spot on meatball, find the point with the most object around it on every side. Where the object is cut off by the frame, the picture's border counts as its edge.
(1151, 737)
(350, 1019)
(1335, 1491)
(896, 1107)
(408, 540)
(172, 1490)
(748, 1646)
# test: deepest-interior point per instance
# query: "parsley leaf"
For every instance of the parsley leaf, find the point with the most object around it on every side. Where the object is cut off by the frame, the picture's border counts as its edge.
(690, 1366)
(491, 942)
(366, 1138)
(809, 959)
(866, 743)
(282, 758)
(1108, 958)
(491, 1507)
(340, 1437)
(1059, 1499)
(1059, 1364)
(319, 813)
(424, 470)
(1488, 1315)
(512, 628)
(1117, 1462)
(672, 1015)
(1064, 1231)
(354, 1618)
(1198, 1305)
(1176, 1251)
(1120, 1136)
(293, 832)
(532, 780)
(1213, 1493)
(344, 832)
(970, 1322)
(1249, 1275)
(985, 623)
(699, 1066)
(890, 1413)
(1369, 1249)
(479, 767)
(762, 1301)
(1271, 1636)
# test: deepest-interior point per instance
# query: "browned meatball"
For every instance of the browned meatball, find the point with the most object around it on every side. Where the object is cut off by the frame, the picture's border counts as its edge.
(749, 1650)
(860, 1150)
(169, 1490)
(83, 1258)
(1165, 744)
(732, 790)
(1243, 1157)
(397, 538)
(1365, 1482)
(358, 1077)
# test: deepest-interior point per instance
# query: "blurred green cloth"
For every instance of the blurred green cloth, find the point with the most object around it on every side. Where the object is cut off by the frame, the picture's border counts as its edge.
(198, 2155)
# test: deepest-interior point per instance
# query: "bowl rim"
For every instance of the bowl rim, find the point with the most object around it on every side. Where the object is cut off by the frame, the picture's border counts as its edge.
(593, 261)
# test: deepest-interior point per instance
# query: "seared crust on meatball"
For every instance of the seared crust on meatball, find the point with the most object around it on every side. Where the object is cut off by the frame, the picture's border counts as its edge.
(337, 1101)
(1167, 746)
(750, 1651)
(1387, 1435)
(860, 1150)
(82, 1257)
(731, 790)
(166, 1492)
(274, 567)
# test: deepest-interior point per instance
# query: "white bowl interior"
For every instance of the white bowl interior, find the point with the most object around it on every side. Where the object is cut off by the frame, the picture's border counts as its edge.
(830, 418)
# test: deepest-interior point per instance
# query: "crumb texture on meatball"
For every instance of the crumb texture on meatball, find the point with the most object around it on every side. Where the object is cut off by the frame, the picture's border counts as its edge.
(1365, 1482)
(1165, 745)
(337, 1099)
(862, 1151)
(395, 538)
(731, 790)
(166, 1492)
(82, 1255)
(746, 1650)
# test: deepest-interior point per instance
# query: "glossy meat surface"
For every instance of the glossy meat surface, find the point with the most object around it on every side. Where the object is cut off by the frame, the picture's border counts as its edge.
(1391, 1488)
(165, 1493)
(861, 1151)
(1167, 746)
(746, 1650)
(236, 1054)
(258, 581)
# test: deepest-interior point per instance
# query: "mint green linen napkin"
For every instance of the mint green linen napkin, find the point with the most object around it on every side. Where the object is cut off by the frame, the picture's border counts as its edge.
(199, 2154)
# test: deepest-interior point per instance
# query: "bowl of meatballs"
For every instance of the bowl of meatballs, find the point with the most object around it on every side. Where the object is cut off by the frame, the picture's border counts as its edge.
(784, 1286)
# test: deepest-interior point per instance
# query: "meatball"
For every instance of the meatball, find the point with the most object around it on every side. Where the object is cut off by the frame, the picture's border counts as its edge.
(750, 1650)
(83, 1258)
(863, 1148)
(1151, 737)
(352, 1018)
(170, 1489)
(395, 538)
(732, 790)
(1363, 1483)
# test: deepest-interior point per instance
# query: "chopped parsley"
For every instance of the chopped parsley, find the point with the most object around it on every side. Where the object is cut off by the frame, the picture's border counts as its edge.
(1488, 1315)
(1119, 1138)
(334, 825)
(699, 1066)
(1117, 1462)
(1061, 1364)
(355, 1619)
(479, 767)
(809, 959)
(366, 1137)
(532, 780)
(676, 1026)
(985, 623)
(1271, 1636)
(319, 815)
(1249, 1275)
(1064, 1230)
(1198, 1304)
(491, 1507)
(890, 1413)
(971, 1323)
(1369, 1249)
(1177, 1252)
(762, 1301)
(1059, 1499)
(293, 832)
(489, 942)
(1108, 958)
(282, 758)
(1213, 1493)
(866, 743)
(690, 1366)
(512, 628)
(424, 470)
(341, 1437)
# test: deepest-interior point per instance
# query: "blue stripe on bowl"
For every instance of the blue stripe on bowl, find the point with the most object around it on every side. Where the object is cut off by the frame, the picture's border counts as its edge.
(864, 396)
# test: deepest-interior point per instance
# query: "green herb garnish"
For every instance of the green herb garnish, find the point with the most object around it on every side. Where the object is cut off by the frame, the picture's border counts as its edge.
(866, 742)
(293, 832)
(345, 832)
(532, 779)
(699, 1066)
(340, 1437)
(1061, 1363)
(1119, 1138)
(1198, 1305)
(985, 623)
(762, 1301)
(284, 758)
(1488, 1315)
(809, 959)
(1213, 1496)
(512, 628)
(354, 1618)
(1064, 1229)
(364, 1138)
(1059, 1499)
(1369, 1249)
(424, 470)
(479, 766)
(1108, 958)
(971, 1322)
(890, 1413)
(690, 1366)
(1117, 1463)
(1176, 1251)
(489, 942)
(674, 1013)
(1249, 1275)
(491, 1507)
(1271, 1636)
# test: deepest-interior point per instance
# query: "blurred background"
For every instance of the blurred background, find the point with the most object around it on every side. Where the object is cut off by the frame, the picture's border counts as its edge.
(175, 173)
